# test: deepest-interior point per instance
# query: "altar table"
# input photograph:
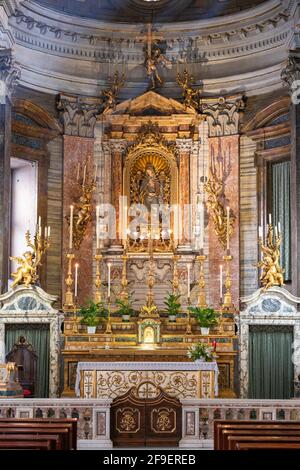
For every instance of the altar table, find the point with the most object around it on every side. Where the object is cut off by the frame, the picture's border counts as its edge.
(178, 379)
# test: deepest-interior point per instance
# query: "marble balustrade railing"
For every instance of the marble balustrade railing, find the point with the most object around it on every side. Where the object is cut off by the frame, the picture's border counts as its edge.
(198, 416)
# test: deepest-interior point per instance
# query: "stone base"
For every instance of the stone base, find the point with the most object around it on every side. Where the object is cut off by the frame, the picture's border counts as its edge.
(204, 444)
(95, 444)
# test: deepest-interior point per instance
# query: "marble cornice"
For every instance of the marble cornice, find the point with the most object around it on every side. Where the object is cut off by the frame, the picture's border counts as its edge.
(262, 26)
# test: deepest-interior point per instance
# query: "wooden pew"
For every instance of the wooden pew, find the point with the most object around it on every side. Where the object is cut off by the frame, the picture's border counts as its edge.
(255, 432)
(25, 445)
(221, 425)
(279, 440)
(66, 428)
(266, 446)
(54, 439)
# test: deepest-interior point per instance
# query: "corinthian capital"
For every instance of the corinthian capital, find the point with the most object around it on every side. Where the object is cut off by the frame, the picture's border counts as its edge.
(184, 145)
(118, 145)
(9, 73)
(290, 74)
(79, 114)
(223, 115)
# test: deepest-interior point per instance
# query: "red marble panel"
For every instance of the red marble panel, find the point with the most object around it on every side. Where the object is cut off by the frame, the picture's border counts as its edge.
(76, 151)
(216, 252)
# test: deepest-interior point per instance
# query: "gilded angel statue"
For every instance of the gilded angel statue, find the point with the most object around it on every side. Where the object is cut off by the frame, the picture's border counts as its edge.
(27, 270)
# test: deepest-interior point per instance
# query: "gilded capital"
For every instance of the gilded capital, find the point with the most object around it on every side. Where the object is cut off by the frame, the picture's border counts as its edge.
(79, 114)
(117, 145)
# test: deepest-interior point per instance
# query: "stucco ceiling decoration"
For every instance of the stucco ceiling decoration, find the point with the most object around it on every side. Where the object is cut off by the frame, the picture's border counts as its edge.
(163, 10)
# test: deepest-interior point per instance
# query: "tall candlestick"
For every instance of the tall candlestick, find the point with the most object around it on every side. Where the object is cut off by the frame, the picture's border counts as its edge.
(97, 228)
(228, 221)
(188, 280)
(201, 226)
(71, 227)
(84, 175)
(221, 281)
(108, 280)
(76, 279)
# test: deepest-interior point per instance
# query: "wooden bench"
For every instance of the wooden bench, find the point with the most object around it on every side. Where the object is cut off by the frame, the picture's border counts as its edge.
(279, 440)
(224, 429)
(25, 445)
(53, 438)
(65, 428)
(267, 446)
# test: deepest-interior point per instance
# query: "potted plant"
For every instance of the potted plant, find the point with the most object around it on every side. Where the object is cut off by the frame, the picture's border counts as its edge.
(91, 314)
(173, 306)
(207, 318)
(200, 352)
(125, 308)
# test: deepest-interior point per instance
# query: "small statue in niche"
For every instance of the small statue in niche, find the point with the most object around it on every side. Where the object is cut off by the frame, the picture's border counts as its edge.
(150, 187)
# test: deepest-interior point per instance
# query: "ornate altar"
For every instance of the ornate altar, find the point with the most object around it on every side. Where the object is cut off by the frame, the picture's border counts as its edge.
(111, 379)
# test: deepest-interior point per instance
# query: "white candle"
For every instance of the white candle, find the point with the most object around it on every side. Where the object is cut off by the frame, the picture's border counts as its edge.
(228, 221)
(97, 227)
(71, 227)
(76, 279)
(40, 226)
(260, 231)
(108, 279)
(279, 228)
(46, 232)
(49, 231)
(270, 219)
(188, 280)
(201, 226)
(78, 171)
(276, 231)
(221, 281)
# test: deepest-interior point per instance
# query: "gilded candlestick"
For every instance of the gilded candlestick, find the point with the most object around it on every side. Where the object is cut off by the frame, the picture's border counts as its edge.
(227, 297)
(124, 281)
(69, 300)
(108, 330)
(202, 296)
(175, 282)
(188, 326)
(98, 281)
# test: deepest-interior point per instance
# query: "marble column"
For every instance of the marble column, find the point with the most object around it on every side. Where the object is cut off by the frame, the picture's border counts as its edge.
(291, 80)
(79, 116)
(185, 147)
(9, 76)
(117, 148)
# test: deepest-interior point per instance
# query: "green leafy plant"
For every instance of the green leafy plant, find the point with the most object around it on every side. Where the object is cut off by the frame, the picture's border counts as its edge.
(125, 306)
(207, 317)
(200, 351)
(173, 304)
(92, 312)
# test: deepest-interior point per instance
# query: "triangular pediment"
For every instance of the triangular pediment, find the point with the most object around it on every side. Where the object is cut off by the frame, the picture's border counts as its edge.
(151, 104)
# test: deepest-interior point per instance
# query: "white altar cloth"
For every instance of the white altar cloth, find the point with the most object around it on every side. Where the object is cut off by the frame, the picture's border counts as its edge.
(150, 366)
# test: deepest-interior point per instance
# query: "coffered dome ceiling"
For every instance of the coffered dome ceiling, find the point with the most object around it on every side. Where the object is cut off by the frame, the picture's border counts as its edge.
(138, 10)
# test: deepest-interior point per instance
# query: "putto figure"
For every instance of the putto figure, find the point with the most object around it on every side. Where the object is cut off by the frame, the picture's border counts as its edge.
(272, 272)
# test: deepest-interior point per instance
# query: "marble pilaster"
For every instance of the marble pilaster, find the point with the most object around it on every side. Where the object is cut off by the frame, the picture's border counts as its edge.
(185, 147)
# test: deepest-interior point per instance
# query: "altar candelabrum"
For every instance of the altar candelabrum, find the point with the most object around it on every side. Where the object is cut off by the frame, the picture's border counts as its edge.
(98, 281)
(201, 297)
(69, 298)
(227, 303)
(124, 281)
(108, 330)
(188, 319)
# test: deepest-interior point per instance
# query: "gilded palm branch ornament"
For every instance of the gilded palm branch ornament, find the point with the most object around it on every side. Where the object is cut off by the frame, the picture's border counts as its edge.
(216, 202)
(271, 271)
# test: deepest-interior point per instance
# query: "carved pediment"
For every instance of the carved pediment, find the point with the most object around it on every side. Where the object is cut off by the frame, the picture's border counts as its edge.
(151, 103)
(274, 302)
(30, 299)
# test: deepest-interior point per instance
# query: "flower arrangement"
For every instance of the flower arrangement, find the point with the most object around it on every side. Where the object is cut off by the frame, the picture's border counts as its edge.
(200, 351)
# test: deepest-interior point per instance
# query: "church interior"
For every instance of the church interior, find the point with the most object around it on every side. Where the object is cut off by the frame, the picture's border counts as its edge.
(150, 224)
